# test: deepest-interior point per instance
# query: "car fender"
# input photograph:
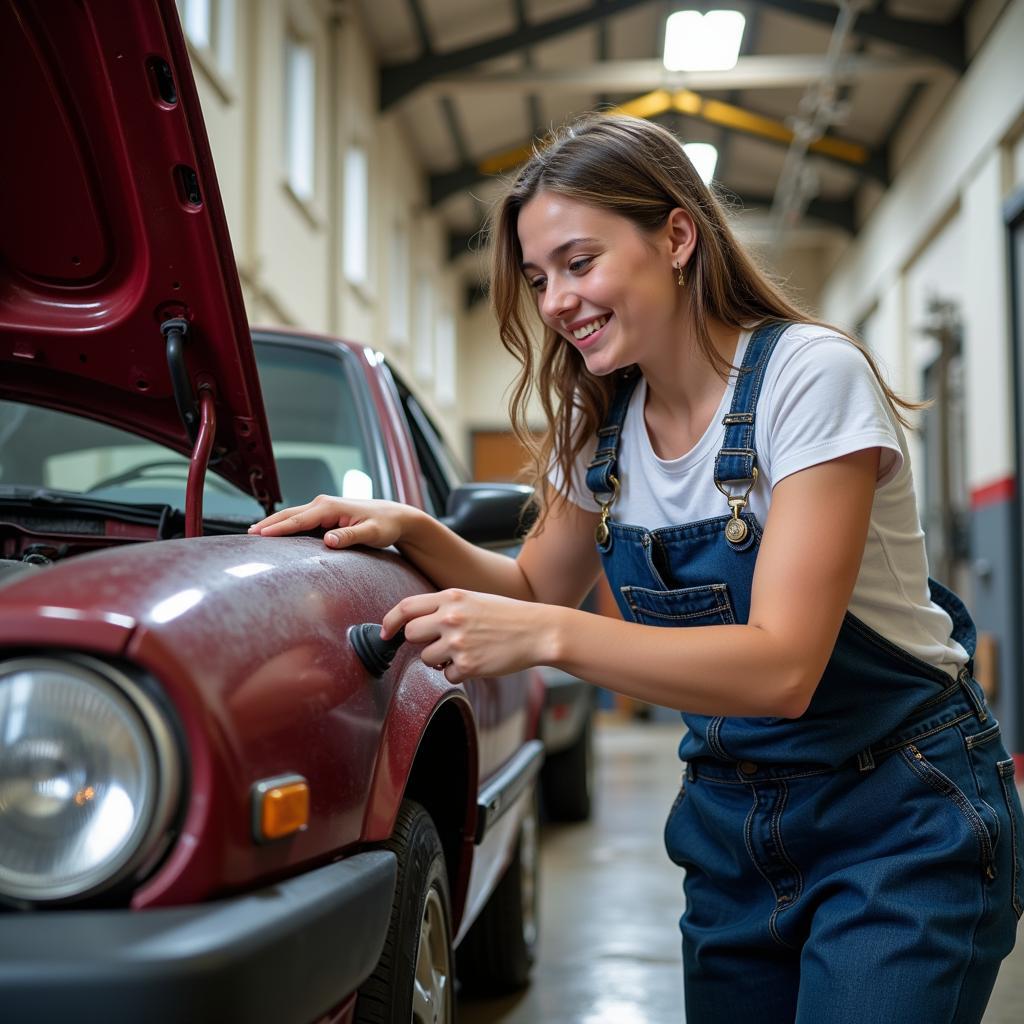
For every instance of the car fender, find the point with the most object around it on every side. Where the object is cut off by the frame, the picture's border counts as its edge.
(430, 731)
(247, 638)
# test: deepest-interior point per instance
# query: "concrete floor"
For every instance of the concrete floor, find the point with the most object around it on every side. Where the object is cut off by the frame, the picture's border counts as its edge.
(610, 900)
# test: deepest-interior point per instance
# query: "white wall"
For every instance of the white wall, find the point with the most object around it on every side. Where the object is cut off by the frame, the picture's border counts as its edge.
(916, 235)
(987, 326)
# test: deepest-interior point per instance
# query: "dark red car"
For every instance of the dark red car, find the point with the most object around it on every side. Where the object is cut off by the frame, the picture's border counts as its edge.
(220, 799)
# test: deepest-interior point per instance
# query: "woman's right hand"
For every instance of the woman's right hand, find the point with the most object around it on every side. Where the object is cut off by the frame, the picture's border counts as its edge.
(348, 521)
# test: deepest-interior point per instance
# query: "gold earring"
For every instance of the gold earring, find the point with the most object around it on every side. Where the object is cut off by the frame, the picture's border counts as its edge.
(680, 279)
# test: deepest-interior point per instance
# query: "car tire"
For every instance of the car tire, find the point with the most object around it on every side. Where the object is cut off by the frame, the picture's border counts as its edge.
(499, 950)
(567, 779)
(414, 979)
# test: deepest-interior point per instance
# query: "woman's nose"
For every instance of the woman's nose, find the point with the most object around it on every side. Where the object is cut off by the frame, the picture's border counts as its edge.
(558, 301)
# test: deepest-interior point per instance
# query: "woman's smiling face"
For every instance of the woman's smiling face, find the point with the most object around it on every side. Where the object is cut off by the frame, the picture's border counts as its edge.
(601, 283)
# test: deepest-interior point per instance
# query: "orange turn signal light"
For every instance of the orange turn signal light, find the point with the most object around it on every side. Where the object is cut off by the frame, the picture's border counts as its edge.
(280, 807)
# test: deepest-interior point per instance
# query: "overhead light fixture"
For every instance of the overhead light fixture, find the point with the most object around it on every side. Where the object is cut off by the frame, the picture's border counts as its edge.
(703, 42)
(704, 157)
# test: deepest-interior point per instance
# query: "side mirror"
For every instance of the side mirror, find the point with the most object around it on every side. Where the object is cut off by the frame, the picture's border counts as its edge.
(492, 515)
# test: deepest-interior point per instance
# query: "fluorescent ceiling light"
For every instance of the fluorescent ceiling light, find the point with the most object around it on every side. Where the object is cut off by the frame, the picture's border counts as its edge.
(703, 42)
(704, 157)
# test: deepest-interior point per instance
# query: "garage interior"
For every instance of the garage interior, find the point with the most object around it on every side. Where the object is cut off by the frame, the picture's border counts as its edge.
(871, 152)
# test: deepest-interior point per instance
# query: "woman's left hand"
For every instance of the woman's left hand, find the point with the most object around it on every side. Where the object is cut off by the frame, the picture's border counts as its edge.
(470, 634)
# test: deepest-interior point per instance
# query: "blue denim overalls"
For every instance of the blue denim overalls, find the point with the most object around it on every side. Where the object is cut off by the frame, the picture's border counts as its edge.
(863, 863)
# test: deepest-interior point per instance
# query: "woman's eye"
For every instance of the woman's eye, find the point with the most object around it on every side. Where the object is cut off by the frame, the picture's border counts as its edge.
(580, 263)
(536, 283)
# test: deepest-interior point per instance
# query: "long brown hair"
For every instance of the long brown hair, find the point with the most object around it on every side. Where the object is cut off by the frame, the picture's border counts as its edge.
(638, 170)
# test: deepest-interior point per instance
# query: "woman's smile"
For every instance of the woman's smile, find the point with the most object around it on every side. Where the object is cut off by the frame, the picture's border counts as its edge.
(587, 333)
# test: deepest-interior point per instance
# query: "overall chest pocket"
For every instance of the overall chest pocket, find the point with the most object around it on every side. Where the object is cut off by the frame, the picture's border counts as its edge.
(708, 605)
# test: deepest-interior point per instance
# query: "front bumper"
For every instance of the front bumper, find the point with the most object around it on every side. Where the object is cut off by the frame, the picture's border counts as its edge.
(282, 955)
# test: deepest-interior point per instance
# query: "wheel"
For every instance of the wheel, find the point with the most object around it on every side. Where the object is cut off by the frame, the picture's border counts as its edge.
(568, 778)
(499, 949)
(413, 981)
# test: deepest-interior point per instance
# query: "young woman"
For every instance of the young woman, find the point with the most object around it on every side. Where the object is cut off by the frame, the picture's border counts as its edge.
(848, 821)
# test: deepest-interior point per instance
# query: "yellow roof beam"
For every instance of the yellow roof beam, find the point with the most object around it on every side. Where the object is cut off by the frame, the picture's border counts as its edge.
(715, 112)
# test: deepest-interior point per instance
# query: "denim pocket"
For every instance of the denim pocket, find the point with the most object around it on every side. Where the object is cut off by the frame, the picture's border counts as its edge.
(986, 832)
(691, 606)
(1013, 807)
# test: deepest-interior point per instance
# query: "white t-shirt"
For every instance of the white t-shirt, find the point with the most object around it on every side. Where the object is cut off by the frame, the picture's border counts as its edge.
(819, 400)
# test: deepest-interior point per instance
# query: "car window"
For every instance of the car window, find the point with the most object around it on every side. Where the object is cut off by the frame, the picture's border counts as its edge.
(321, 445)
(318, 441)
(440, 469)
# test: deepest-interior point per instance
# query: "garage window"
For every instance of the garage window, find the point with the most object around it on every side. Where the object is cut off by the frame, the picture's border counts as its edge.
(356, 224)
(210, 27)
(300, 117)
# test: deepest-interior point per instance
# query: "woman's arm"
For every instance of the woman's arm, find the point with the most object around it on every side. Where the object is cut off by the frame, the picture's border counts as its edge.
(807, 566)
(557, 566)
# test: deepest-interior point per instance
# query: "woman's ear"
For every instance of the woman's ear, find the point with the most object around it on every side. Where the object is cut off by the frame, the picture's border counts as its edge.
(681, 235)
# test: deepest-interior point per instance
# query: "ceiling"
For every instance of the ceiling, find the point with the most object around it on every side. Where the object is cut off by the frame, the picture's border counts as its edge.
(473, 83)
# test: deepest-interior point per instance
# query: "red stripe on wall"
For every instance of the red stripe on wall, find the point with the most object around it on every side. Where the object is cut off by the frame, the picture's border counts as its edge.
(993, 493)
(1018, 763)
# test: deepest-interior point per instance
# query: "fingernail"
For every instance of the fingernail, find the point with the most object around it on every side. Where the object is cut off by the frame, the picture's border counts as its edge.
(332, 539)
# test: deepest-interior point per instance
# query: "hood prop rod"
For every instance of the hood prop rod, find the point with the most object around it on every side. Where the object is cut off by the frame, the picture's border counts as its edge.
(198, 464)
(198, 417)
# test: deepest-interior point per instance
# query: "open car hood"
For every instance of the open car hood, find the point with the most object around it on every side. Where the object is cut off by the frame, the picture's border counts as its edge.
(111, 224)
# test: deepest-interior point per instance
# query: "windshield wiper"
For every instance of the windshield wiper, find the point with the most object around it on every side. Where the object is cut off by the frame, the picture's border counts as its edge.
(48, 504)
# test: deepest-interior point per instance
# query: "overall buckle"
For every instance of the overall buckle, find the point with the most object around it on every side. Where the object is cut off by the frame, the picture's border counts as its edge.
(736, 529)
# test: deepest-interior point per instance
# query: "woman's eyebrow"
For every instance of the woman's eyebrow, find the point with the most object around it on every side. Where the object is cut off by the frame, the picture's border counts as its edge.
(559, 249)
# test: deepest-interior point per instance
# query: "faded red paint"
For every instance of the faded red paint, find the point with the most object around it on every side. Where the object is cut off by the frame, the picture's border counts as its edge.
(993, 493)
(262, 677)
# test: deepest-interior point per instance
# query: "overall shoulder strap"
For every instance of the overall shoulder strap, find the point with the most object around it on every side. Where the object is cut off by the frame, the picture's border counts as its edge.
(601, 470)
(737, 457)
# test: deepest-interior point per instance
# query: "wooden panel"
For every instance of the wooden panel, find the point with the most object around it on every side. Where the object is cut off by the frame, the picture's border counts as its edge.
(497, 455)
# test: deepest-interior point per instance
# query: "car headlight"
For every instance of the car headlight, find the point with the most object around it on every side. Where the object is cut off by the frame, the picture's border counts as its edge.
(90, 777)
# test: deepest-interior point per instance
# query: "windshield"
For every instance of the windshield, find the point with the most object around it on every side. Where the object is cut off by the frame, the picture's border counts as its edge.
(318, 441)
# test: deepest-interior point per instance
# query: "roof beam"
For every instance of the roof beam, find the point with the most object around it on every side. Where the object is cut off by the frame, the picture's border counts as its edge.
(454, 129)
(459, 244)
(398, 80)
(945, 42)
(851, 155)
(420, 21)
(532, 100)
(751, 72)
(447, 104)
(942, 42)
(450, 183)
